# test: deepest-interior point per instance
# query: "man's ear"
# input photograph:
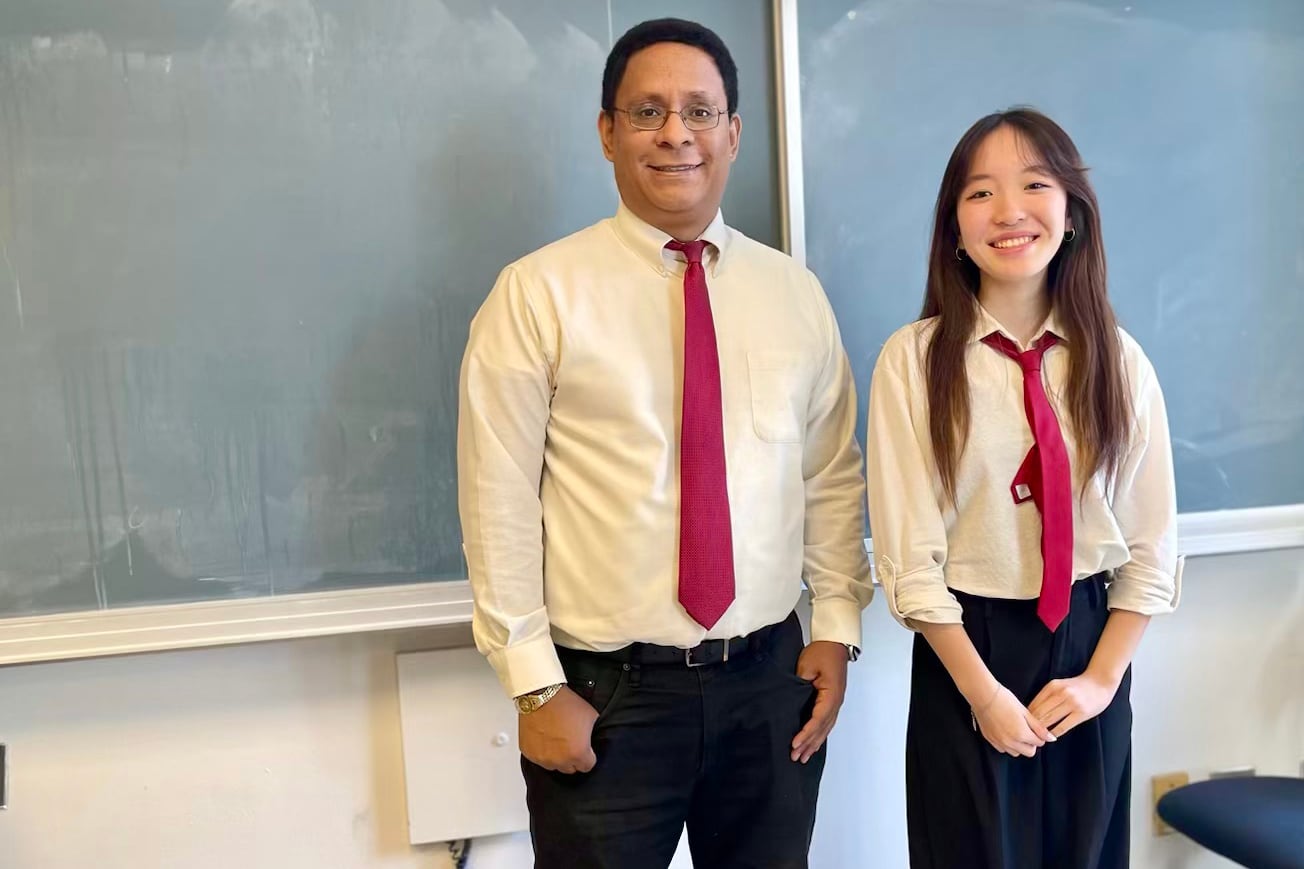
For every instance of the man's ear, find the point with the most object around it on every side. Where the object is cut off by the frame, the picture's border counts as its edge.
(607, 133)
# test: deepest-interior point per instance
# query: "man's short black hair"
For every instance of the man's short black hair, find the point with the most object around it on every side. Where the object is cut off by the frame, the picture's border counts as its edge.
(650, 33)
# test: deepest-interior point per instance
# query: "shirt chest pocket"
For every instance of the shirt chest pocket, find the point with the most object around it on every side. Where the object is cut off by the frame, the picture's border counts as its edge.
(780, 386)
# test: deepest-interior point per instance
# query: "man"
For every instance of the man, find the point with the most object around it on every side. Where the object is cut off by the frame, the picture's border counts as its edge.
(655, 447)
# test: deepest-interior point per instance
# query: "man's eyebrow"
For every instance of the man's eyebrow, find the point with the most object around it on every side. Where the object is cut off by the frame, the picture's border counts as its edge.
(690, 97)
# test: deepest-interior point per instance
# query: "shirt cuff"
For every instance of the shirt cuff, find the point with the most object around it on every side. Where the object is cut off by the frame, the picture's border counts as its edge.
(1146, 590)
(527, 666)
(934, 617)
(920, 596)
(836, 621)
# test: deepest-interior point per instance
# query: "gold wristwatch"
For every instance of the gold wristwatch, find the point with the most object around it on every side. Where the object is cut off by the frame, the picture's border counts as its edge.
(527, 703)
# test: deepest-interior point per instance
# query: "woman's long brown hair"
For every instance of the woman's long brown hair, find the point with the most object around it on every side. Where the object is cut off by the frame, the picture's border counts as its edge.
(1098, 407)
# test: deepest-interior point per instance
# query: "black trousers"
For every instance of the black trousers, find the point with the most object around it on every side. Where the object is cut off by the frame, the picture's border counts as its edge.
(705, 746)
(969, 805)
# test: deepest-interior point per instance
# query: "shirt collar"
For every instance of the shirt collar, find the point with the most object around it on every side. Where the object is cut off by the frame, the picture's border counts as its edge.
(986, 324)
(649, 243)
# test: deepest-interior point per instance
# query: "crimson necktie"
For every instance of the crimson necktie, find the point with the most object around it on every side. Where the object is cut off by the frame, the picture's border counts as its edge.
(1046, 478)
(706, 569)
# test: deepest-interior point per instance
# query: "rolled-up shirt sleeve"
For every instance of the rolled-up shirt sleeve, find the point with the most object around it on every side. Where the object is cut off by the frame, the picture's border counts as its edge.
(1145, 507)
(906, 522)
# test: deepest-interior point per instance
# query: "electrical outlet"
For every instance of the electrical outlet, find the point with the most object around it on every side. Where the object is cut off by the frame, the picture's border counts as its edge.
(1160, 785)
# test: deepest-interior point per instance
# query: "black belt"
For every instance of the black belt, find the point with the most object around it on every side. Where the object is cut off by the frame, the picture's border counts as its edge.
(703, 654)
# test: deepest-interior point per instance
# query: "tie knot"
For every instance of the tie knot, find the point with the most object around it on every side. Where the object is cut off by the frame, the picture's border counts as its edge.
(1029, 360)
(690, 249)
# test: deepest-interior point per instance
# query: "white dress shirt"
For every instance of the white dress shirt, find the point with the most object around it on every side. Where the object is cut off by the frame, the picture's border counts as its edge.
(988, 545)
(568, 463)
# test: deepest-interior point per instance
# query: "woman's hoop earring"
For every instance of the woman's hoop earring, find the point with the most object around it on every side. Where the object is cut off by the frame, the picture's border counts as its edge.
(960, 254)
(1070, 235)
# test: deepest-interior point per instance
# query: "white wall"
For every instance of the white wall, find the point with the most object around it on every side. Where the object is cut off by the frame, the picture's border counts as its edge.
(288, 754)
(280, 754)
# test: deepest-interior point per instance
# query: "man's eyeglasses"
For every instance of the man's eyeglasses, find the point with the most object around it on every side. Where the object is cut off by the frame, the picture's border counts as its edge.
(698, 117)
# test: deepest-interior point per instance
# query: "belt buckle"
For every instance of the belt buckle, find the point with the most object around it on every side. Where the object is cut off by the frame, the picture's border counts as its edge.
(688, 654)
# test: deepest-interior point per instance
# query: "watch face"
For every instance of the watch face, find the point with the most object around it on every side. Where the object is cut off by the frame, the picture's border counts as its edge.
(531, 702)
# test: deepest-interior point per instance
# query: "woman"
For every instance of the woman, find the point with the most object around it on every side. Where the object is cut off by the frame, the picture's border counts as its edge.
(1024, 519)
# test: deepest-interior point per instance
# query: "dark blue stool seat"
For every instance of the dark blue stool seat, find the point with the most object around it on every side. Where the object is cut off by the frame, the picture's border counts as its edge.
(1256, 821)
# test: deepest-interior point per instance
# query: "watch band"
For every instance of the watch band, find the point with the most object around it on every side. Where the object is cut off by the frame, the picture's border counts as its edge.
(530, 702)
